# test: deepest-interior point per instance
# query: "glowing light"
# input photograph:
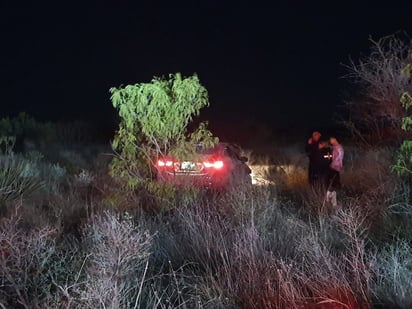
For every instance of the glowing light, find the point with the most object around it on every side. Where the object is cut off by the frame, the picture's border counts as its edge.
(216, 164)
(162, 163)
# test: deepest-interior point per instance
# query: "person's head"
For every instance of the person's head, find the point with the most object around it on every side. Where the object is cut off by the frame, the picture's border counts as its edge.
(316, 136)
(333, 141)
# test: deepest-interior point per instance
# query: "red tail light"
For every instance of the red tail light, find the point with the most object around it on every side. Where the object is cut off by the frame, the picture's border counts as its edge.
(215, 164)
(162, 163)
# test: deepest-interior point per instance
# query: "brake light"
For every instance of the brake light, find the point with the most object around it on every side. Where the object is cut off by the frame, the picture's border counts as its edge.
(215, 164)
(162, 163)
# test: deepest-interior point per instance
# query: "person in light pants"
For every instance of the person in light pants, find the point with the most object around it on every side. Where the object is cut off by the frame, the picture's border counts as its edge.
(334, 171)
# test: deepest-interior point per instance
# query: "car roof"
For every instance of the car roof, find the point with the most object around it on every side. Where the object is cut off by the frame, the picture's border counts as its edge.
(221, 146)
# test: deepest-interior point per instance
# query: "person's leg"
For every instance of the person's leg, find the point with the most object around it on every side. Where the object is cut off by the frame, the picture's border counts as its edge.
(328, 196)
(328, 184)
(333, 199)
(335, 185)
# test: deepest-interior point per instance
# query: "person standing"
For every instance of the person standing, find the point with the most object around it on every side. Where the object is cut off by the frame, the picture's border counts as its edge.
(322, 163)
(335, 168)
(313, 153)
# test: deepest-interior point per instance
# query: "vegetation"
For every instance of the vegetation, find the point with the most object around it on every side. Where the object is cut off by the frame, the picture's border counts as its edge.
(71, 238)
(263, 248)
(375, 110)
(403, 164)
(15, 180)
(154, 119)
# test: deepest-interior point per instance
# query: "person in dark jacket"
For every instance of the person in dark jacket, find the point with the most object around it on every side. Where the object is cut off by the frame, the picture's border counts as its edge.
(313, 153)
(323, 160)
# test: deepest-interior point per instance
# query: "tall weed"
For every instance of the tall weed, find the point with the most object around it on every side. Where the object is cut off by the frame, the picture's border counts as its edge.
(14, 180)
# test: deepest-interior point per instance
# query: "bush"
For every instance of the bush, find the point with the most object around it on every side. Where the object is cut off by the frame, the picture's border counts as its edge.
(26, 264)
(15, 181)
(394, 275)
(375, 111)
(118, 253)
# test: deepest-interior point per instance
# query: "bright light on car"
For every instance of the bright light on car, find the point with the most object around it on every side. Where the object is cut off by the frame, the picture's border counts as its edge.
(215, 164)
(162, 163)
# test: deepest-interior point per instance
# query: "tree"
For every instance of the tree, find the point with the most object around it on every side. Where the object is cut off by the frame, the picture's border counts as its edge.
(154, 119)
(376, 113)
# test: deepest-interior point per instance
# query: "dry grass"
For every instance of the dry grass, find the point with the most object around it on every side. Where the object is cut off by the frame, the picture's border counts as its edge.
(269, 246)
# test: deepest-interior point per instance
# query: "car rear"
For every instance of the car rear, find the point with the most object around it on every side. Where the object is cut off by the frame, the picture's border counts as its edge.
(207, 170)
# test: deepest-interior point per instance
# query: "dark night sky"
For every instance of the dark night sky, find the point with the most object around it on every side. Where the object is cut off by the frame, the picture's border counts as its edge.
(277, 63)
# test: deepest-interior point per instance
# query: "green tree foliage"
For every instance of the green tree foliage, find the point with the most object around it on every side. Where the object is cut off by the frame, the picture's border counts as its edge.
(154, 119)
(403, 163)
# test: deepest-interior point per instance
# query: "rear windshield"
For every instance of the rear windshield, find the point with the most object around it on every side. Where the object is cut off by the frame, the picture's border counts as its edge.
(201, 150)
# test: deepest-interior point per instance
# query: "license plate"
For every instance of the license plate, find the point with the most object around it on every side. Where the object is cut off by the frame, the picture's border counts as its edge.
(187, 166)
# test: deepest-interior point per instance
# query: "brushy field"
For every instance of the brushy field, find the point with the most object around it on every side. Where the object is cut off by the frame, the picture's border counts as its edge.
(71, 238)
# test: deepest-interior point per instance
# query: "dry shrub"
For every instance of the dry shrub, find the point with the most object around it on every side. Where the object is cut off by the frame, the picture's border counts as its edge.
(368, 170)
(313, 201)
(369, 183)
(375, 111)
(354, 225)
(335, 271)
(118, 254)
(266, 257)
(394, 275)
(256, 278)
(66, 213)
(16, 180)
(26, 257)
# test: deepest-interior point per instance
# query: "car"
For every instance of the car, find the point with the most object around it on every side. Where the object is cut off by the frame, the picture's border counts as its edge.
(219, 167)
